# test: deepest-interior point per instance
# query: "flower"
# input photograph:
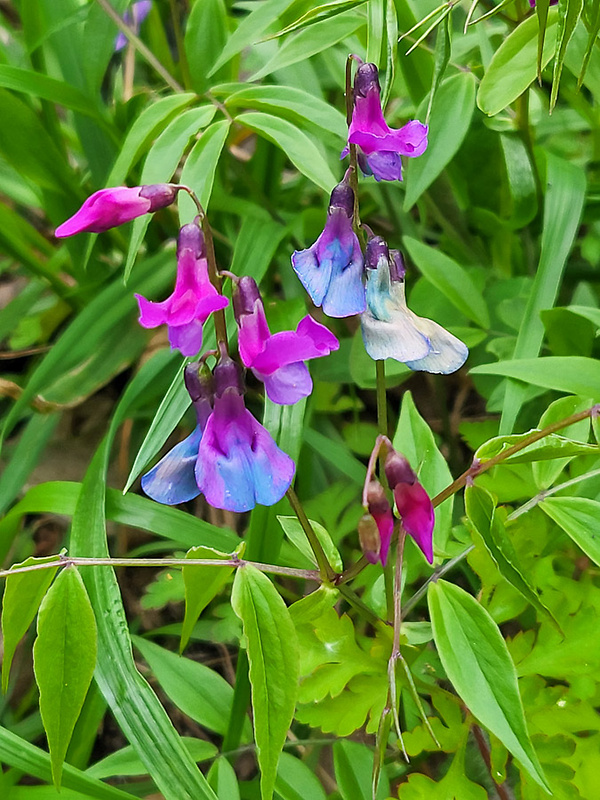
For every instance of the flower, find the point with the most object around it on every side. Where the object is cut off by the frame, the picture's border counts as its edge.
(173, 479)
(391, 330)
(111, 207)
(134, 16)
(331, 270)
(380, 146)
(375, 528)
(239, 464)
(194, 297)
(412, 502)
(277, 359)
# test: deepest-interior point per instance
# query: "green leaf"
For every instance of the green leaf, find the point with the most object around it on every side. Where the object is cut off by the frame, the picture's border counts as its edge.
(451, 279)
(222, 778)
(414, 439)
(513, 67)
(521, 180)
(569, 12)
(546, 472)
(353, 763)
(550, 447)
(23, 594)
(200, 167)
(476, 660)
(298, 147)
(574, 374)
(481, 511)
(293, 530)
(47, 88)
(337, 454)
(64, 658)
(205, 37)
(579, 518)
(202, 584)
(541, 9)
(297, 781)
(317, 14)
(125, 762)
(197, 690)
(274, 666)
(375, 31)
(594, 30)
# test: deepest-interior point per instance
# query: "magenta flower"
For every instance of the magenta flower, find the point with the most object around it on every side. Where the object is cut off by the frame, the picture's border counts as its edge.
(134, 16)
(412, 502)
(277, 359)
(239, 464)
(111, 207)
(193, 299)
(331, 270)
(375, 528)
(379, 146)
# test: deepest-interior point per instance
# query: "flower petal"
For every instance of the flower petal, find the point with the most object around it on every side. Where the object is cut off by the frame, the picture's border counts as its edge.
(105, 209)
(186, 338)
(446, 354)
(417, 515)
(172, 480)
(287, 384)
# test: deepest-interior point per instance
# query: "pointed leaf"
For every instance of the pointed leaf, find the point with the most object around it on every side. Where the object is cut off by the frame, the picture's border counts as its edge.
(569, 12)
(579, 517)
(200, 167)
(293, 530)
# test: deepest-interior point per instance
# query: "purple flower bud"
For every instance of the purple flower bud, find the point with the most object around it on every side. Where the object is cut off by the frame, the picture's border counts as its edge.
(199, 384)
(380, 513)
(111, 207)
(278, 359)
(376, 249)
(365, 80)
(228, 375)
(193, 299)
(412, 502)
(397, 268)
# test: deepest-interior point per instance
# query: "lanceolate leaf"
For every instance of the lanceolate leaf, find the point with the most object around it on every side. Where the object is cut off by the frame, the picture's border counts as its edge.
(569, 12)
(579, 517)
(64, 658)
(575, 374)
(477, 662)
(200, 167)
(274, 666)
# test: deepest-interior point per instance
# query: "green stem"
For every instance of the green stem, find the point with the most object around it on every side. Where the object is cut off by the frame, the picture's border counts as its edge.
(352, 148)
(382, 421)
(354, 600)
(326, 571)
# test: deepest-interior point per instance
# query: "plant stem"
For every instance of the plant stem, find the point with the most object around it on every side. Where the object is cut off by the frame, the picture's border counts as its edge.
(382, 421)
(548, 492)
(396, 654)
(354, 600)
(352, 147)
(144, 51)
(326, 571)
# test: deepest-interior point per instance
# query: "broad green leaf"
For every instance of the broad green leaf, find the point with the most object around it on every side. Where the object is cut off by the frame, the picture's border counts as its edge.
(23, 594)
(126, 762)
(414, 439)
(513, 66)
(274, 666)
(293, 530)
(64, 658)
(579, 517)
(337, 454)
(202, 584)
(47, 88)
(546, 472)
(569, 12)
(31, 760)
(481, 512)
(550, 447)
(353, 763)
(298, 147)
(448, 125)
(451, 279)
(521, 180)
(574, 375)
(205, 36)
(223, 780)
(375, 31)
(476, 660)
(297, 781)
(200, 167)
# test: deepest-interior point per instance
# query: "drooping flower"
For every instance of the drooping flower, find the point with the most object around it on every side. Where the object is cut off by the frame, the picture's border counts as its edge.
(239, 464)
(380, 147)
(331, 270)
(192, 301)
(108, 208)
(277, 359)
(376, 527)
(173, 479)
(412, 502)
(391, 330)
(134, 16)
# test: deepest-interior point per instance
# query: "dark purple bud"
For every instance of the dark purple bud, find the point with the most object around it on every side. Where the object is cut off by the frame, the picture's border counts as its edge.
(191, 238)
(160, 195)
(199, 383)
(368, 536)
(367, 77)
(397, 268)
(376, 249)
(342, 197)
(398, 470)
(380, 516)
(228, 375)
(376, 499)
(245, 295)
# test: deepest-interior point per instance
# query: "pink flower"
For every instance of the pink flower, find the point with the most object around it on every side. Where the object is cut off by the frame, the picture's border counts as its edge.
(193, 299)
(412, 502)
(278, 359)
(111, 207)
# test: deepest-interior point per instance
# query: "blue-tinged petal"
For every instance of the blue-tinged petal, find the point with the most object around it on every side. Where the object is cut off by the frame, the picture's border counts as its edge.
(385, 166)
(172, 480)
(399, 338)
(273, 469)
(314, 275)
(447, 353)
(346, 293)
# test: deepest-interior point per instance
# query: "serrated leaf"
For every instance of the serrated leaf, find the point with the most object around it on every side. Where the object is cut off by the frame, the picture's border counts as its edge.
(274, 666)
(64, 658)
(293, 530)
(579, 517)
(23, 594)
(476, 660)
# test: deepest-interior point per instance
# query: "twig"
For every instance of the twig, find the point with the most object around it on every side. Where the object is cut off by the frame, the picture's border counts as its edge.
(326, 571)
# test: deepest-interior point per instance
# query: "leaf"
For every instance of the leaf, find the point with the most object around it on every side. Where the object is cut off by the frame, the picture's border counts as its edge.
(574, 374)
(317, 14)
(196, 689)
(293, 530)
(513, 67)
(521, 180)
(546, 472)
(391, 49)
(451, 279)
(301, 150)
(23, 594)
(353, 763)
(47, 88)
(579, 517)
(202, 584)
(443, 51)
(550, 447)
(375, 31)
(296, 780)
(64, 658)
(125, 762)
(205, 37)
(414, 439)
(450, 121)
(200, 167)
(222, 778)
(337, 454)
(594, 30)
(481, 512)
(274, 667)
(476, 660)
(569, 12)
